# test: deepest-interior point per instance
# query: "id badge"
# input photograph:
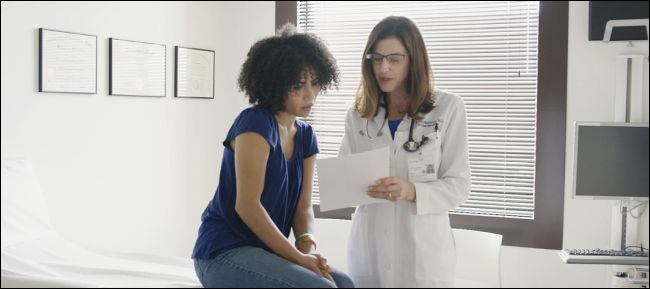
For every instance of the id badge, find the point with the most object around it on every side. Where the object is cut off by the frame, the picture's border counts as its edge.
(421, 167)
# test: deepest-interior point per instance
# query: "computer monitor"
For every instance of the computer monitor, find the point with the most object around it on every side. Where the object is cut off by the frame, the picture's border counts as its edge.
(611, 161)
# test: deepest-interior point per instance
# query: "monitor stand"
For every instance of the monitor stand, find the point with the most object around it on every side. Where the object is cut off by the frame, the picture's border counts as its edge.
(623, 226)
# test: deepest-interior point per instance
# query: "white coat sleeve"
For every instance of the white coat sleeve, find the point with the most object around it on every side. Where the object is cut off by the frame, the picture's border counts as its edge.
(348, 136)
(453, 185)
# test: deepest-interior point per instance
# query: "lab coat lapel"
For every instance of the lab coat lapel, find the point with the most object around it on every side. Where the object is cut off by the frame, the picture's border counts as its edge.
(385, 138)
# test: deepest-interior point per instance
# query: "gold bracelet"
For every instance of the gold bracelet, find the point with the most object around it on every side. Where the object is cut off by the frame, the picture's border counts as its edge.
(306, 237)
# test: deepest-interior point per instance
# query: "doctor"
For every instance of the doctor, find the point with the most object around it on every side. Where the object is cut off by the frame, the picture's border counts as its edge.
(407, 242)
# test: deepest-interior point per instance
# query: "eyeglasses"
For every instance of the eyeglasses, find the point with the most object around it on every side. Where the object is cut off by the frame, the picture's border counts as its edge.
(392, 59)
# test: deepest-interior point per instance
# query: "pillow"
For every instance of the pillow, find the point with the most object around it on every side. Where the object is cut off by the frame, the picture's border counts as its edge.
(24, 213)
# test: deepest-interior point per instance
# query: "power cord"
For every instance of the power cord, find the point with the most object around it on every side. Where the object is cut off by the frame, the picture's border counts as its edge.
(644, 204)
(631, 210)
(642, 249)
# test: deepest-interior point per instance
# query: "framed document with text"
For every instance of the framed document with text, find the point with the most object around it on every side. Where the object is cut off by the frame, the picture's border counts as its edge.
(194, 72)
(136, 68)
(67, 62)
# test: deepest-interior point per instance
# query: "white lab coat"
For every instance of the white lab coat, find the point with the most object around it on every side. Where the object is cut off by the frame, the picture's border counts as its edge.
(410, 244)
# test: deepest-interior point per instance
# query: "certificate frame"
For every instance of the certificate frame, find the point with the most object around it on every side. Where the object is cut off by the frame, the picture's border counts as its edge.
(67, 62)
(137, 68)
(193, 72)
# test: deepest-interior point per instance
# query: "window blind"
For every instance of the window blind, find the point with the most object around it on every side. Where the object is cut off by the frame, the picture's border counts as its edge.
(486, 52)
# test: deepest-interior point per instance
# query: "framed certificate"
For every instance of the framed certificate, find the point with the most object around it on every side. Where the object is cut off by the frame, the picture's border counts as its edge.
(194, 72)
(136, 68)
(67, 62)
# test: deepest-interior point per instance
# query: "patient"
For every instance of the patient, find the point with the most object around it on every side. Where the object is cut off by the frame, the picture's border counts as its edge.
(265, 185)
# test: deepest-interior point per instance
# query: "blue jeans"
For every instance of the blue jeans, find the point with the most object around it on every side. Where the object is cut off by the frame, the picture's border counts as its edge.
(256, 267)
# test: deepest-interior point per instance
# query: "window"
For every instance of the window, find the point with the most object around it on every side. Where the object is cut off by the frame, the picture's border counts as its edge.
(487, 52)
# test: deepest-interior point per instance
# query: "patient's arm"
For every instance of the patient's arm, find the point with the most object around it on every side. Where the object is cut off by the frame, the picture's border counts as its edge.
(251, 155)
(303, 221)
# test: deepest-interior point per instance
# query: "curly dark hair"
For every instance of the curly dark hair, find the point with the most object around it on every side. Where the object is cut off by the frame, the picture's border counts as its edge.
(276, 64)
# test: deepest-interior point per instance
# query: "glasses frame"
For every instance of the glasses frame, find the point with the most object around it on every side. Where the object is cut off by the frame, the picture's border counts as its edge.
(373, 58)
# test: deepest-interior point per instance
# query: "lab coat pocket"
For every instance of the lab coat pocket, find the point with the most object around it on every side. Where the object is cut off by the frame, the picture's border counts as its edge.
(435, 255)
(423, 164)
(358, 248)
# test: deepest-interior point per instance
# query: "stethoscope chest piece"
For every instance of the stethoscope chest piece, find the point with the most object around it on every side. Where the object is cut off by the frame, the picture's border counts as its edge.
(411, 146)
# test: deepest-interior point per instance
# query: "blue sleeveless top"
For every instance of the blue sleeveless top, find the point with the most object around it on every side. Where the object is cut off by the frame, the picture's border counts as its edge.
(221, 227)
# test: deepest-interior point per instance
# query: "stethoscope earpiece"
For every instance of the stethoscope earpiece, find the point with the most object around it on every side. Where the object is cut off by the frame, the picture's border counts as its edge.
(424, 140)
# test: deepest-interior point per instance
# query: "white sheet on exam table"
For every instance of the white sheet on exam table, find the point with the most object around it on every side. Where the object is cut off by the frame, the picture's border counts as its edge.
(56, 261)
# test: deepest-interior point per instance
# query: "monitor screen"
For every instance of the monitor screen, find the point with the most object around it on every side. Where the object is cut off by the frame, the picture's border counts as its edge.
(601, 12)
(611, 161)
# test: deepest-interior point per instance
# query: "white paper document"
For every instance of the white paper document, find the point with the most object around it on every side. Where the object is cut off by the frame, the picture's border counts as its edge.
(343, 181)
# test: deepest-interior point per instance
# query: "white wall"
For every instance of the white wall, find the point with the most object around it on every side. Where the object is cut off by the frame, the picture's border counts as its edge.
(127, 173)
(591, 66)
(110, 165)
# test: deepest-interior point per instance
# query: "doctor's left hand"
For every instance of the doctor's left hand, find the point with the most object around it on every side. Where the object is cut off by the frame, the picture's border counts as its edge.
(392, 189)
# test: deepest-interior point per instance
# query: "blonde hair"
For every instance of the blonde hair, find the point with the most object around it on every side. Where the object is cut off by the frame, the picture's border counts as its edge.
(419, 82)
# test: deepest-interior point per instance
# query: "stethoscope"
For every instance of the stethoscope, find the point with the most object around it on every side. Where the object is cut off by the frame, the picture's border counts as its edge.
(410, 145)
